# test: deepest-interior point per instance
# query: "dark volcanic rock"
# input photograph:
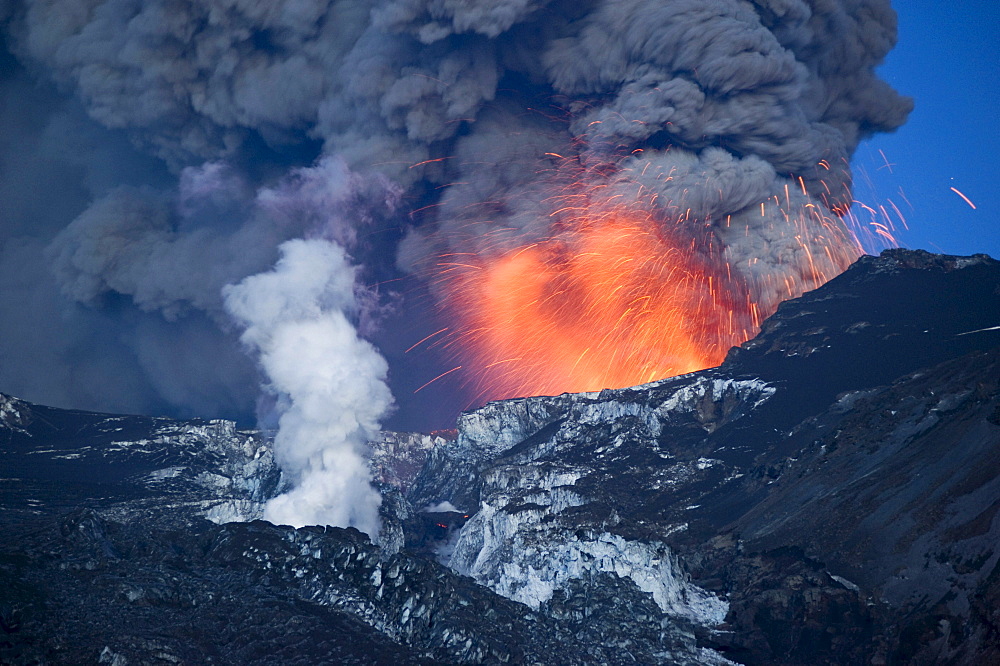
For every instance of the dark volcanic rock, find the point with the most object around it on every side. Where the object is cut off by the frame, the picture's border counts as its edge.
(829, 495)
(83, 590)
(897, 489)
(55, 458)
(836, 478)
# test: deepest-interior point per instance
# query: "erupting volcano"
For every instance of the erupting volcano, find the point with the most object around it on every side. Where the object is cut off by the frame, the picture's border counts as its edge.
(618, 294)
(592, 195)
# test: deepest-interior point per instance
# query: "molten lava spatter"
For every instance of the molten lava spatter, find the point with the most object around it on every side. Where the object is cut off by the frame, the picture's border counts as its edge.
(611, 303)
(616, 295)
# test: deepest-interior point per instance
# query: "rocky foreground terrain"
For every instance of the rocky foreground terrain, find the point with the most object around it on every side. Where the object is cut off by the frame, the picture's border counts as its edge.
(829, 495)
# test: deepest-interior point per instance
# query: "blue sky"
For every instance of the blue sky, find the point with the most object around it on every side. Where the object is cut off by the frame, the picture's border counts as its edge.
(948, 60)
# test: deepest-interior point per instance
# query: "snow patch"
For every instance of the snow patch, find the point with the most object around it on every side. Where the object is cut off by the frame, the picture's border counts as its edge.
(213, 481)
(847, 400)
(846, 583)
(14, 413)
(980, 330)
(234, 511)
(687, 398)
(520, 559)
(441, 507)
(166, 473)
(517, 545)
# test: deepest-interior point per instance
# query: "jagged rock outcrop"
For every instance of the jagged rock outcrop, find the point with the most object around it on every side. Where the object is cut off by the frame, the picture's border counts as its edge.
(134, 464)
(398, 457)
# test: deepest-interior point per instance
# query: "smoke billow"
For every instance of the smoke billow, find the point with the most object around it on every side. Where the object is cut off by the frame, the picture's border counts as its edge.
(159, 152)
(330, 381)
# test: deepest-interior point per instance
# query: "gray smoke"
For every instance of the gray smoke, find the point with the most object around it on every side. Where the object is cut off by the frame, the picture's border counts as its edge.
(157, 151)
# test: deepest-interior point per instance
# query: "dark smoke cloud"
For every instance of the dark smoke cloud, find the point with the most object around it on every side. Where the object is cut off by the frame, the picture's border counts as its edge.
(156, 151)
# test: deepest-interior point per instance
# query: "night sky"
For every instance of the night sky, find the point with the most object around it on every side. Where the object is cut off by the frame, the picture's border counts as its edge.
(947, 59)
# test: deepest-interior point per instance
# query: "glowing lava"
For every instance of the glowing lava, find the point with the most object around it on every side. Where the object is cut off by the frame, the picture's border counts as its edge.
(614, 297)
(612, 303)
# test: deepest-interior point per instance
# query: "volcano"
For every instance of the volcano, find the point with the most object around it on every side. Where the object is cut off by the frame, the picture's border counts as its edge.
(827, 495)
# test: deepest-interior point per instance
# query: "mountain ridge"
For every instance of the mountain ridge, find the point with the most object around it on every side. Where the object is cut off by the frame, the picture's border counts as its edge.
(827, 495)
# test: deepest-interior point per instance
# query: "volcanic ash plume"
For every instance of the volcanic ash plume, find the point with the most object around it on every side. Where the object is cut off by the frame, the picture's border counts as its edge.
(330, 383)
(701, 177)
(599, 192)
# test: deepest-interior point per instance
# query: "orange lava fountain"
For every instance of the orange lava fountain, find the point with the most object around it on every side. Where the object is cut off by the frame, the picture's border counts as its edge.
(612, 298)
(612, 305)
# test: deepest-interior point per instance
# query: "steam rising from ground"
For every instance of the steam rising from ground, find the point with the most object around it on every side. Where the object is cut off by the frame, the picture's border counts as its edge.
(330, 383)
(252, 124)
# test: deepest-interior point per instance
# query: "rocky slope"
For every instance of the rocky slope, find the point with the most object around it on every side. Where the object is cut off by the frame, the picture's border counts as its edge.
(827, 496)
(112, 554)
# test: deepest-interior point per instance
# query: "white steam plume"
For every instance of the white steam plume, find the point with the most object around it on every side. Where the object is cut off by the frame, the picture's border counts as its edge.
(331, 383)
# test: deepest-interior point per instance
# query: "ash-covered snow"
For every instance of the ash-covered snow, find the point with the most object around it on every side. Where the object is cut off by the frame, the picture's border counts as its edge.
(487, 432)
(497, 426)
(234, 511)
(397, 457)
(166, 473)
(518, 545)
(14, 413)
(519, 557)
(687, 398)
(529, 469)
(846, 583)
(980, 330)
(972, 260)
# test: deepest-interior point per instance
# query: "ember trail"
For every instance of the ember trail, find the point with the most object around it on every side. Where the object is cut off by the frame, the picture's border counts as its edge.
(619, 295)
